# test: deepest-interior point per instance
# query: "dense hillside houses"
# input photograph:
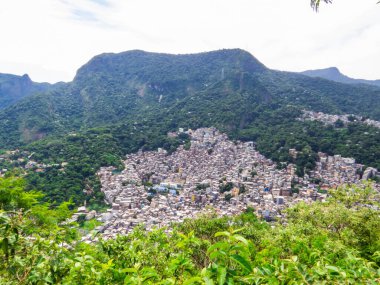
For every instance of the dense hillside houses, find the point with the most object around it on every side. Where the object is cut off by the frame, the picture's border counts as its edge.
(333, 119)
(22, 159)
(213, 174)
(209, 174)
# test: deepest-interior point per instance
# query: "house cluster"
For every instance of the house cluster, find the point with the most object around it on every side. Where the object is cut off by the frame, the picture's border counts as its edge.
(156, 188)
(328, 119)
(24, 160)
(332, 171)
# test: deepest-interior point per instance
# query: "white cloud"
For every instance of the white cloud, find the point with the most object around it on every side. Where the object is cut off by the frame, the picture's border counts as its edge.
(51, 39)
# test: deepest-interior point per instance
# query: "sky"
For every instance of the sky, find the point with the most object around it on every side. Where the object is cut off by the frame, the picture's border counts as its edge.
(51, 39)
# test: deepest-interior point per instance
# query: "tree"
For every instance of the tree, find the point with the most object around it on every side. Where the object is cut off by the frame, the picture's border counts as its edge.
(13, 196)
(339, 123)
(315, 3)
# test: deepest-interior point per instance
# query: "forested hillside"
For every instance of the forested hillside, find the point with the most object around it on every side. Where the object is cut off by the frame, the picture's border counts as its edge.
(130, 86)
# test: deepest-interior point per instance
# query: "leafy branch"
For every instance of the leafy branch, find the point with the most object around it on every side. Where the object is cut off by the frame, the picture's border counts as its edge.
(315, 3)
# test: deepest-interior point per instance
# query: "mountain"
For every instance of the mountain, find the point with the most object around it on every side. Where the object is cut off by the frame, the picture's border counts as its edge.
(115, 88)
(13, 88)
(333, 74)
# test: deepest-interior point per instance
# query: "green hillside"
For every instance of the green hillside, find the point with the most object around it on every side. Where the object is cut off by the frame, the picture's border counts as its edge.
(116, 88)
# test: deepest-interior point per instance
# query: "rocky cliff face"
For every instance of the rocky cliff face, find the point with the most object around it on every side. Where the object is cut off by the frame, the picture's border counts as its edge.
(370, 172)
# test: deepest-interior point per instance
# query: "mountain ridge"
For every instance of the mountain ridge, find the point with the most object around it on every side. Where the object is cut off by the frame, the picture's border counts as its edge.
(116, 88)
(14, 88)
(334, 74)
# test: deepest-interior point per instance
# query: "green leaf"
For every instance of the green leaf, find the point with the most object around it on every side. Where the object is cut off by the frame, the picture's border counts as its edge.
(217, 254)
(5, 246)
(238, 230)
(230, 281)
(129, 270)
(320, 271)
(208, 281)
(221, 275)
(242, 261)
(217, 246)
(226, 234)
(240, 238)
(193, 280)
(333, 268)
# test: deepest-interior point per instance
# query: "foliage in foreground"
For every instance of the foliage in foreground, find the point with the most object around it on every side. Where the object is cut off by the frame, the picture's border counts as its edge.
(334, 242)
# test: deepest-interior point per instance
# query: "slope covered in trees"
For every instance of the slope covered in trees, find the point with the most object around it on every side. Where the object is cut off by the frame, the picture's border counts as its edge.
(130, 86)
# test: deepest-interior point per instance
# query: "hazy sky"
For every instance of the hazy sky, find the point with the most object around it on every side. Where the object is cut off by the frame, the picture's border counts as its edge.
(51, 39)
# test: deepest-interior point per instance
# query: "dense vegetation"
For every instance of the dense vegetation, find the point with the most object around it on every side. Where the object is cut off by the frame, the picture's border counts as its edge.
(227, 85)
(333, 242)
